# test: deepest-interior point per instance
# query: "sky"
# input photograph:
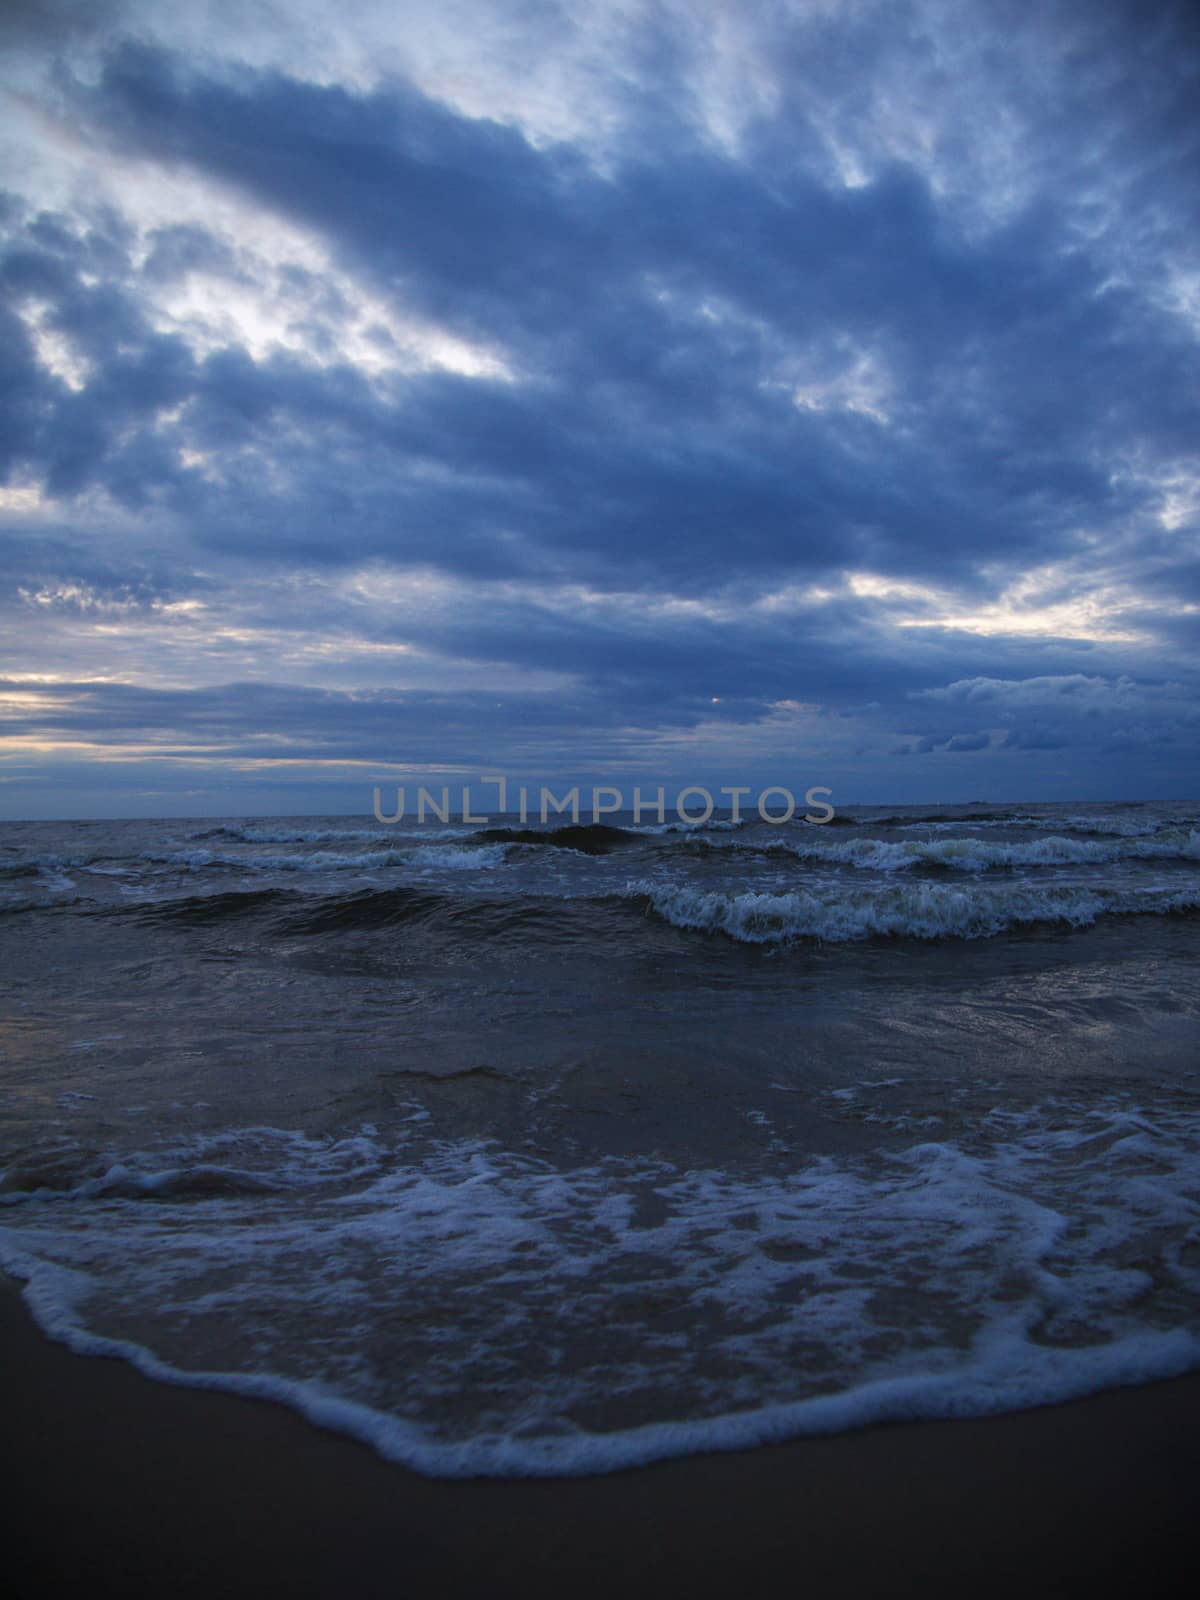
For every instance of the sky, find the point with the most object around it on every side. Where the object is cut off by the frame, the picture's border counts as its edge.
(634, 392)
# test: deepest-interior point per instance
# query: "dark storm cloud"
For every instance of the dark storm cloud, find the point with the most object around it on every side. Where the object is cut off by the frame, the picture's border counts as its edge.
(727, 372)
(652, 434)
(1070, 710)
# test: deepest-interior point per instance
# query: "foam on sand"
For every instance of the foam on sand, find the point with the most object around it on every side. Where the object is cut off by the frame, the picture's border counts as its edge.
(468, 1310)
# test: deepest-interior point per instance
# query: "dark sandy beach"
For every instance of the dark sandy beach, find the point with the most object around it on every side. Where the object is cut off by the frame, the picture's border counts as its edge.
(120, 1486)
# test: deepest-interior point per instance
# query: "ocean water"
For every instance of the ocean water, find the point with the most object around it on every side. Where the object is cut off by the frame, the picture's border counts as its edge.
(523, 1150)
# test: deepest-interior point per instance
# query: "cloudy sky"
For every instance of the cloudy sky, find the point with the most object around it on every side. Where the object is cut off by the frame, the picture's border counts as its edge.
(796, 392)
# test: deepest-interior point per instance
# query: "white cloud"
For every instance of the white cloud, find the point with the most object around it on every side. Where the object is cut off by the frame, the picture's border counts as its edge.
(1072, 692)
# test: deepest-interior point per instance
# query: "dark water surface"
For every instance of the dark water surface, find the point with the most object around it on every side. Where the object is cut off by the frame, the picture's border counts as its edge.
(517, 1155)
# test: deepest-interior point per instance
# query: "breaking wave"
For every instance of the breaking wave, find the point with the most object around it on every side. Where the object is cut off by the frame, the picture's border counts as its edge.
(589, 839)
(982, 855)
(251, 835)
(913, 911)
(1098, 827)
(462, 857)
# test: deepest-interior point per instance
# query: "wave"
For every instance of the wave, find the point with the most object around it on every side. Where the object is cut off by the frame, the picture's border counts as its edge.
(1098, 827)
(202, 909)
(462, 917)
(372, 908)
(594, 832)
(907, 911)
(295, 912)
(18, 869)
(253, 835)
(912, 911)
(959, 818)
(47, 862)
(43, 889)
(982, 855)
(461, 857)
(55, 900)
(717, 825)
(590, 838)
(1124, 827)
(199, 1182)
(835, 914)
(290, 913)
(457, 856)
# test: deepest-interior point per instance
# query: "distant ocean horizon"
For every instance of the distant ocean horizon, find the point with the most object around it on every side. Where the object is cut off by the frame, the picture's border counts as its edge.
(523, 1149)
(856, 810)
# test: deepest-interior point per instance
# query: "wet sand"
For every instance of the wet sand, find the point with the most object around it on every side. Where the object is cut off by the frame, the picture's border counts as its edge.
(120, 1486)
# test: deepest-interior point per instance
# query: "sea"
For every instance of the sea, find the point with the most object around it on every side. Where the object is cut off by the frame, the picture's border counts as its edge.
(547, 1150)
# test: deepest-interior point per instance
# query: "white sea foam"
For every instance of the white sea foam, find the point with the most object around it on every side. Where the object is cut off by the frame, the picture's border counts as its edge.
(48, 886)
(464, 857)
(252, 835)
(717, 825)
(915, 911)
(470, 1311)
(981, 855)
(412, 832)
(1124, 827)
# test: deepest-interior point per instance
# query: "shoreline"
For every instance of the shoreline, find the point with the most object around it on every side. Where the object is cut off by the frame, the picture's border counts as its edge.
(120, 1485)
